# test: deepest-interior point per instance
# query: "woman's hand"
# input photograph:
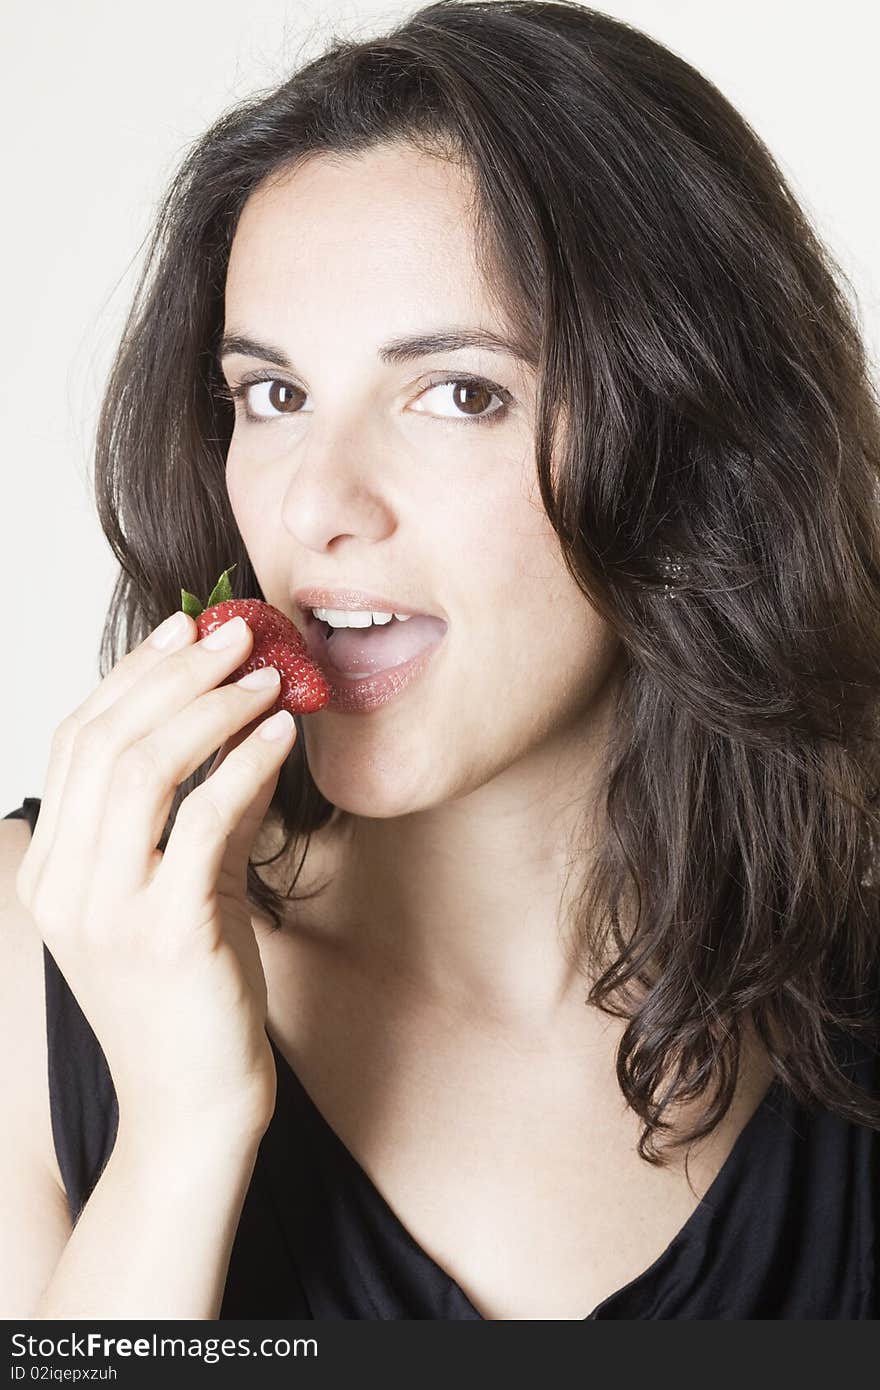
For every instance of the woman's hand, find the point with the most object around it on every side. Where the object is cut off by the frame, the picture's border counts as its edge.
(159, 949)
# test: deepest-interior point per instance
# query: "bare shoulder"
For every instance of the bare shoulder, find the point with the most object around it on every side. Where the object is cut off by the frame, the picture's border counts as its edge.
(24, 1081)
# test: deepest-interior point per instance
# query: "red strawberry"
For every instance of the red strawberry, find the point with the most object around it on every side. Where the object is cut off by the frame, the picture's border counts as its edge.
(277, 642)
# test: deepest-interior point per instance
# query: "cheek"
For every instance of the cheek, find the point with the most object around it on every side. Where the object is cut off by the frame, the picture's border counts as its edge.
(549, 663)
(549, 651)
(244, 495)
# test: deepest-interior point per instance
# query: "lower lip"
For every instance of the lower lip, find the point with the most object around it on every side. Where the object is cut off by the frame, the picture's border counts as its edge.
(351, 696)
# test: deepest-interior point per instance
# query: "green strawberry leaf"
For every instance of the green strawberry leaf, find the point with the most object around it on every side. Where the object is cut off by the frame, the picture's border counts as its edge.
(222, 591)
(190, 604)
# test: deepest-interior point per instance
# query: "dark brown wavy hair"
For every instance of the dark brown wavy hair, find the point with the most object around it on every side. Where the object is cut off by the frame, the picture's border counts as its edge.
(704, 413)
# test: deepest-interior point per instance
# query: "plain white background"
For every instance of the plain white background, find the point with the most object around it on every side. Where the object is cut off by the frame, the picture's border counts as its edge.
(99, 103)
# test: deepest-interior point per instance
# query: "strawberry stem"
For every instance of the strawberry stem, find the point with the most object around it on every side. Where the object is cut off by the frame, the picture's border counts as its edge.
(222, 590)
(190, 604)
(221, 593)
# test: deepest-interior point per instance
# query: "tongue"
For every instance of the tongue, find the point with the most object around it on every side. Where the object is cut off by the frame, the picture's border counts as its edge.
(362, 651)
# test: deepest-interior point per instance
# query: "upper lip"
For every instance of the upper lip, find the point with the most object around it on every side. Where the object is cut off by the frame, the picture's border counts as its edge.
(355, 601)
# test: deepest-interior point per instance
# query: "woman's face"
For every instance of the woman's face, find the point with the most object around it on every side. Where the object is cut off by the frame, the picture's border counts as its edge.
(372, 474)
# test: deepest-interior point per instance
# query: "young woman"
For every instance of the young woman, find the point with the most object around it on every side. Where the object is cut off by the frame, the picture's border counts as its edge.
(542, 982)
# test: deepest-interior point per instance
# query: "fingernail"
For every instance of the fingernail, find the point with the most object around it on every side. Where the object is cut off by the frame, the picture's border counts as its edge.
(224, 636)
(169, 632)
(278, 726)
(260, 678)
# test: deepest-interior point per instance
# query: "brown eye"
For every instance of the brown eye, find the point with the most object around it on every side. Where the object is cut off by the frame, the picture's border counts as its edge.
(472, 397)
(280, 395)
(265, 398)
(268, 398)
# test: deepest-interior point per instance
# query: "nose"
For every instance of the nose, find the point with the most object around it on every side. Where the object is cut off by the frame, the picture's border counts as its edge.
(335, 494)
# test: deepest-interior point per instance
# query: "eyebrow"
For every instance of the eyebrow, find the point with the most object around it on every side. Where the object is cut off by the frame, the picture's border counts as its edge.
(396, 351)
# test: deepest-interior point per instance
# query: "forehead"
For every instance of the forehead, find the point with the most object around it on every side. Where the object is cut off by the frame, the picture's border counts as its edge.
(389, 225)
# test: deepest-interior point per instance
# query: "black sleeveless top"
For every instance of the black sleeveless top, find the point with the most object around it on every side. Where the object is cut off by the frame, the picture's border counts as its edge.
(788, 1228)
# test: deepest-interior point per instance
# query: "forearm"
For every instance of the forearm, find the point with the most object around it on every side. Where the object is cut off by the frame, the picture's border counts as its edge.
(155, 1237)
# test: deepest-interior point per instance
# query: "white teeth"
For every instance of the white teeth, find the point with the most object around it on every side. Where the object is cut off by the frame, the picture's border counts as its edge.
(344, 617)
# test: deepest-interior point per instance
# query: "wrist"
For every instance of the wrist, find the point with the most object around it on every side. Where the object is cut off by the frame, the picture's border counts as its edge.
(232, 1134)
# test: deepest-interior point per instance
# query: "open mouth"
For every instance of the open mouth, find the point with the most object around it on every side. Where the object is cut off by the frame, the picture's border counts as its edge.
(355, 652)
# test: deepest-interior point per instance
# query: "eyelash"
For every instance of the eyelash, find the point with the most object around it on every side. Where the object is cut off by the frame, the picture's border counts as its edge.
(236, 393)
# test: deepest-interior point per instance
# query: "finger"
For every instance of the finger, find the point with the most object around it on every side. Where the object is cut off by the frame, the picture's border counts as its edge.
(148, 704)
(176, 631)
(149, 772)
(233, 742)
(217, 824)
(240, 845)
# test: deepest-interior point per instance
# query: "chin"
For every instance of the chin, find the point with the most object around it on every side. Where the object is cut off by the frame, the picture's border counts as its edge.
(371, 786)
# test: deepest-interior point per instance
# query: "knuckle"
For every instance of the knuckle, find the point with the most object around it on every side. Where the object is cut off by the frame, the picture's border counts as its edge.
(65, 734)
(191, 661)
(202, 817)
(248, 765)
(48, 910)
(182, 673)
(89, 739)
(139, 768)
